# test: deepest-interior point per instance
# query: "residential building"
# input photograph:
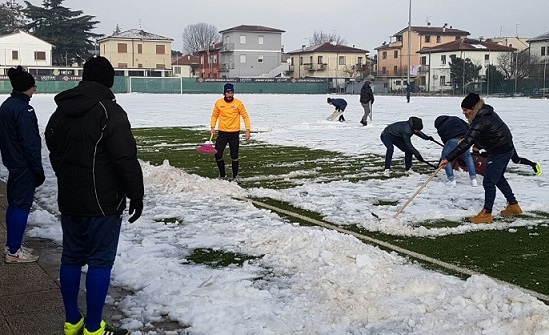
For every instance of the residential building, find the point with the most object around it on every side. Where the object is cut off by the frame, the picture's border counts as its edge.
(24, 49)
(434, 71)
(519, 43)
(250, 51)
(208, 62)
(392, 58)
(186, 66)
(339, 63)
(539, 47)
(140, 52)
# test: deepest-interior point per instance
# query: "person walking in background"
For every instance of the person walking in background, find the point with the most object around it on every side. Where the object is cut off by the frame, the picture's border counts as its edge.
(451, 130)
(94, 156)
(228, 111)
(366, 100)
(21, 148)
(399, 135)
(488, 131)
(408, 92)
(340, 105)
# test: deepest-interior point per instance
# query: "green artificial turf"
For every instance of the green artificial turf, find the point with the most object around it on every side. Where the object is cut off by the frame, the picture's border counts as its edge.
(516, 255)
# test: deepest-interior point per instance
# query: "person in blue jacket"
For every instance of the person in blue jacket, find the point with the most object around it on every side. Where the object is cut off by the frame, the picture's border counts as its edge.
(451, 130)
(399, 135)
(340, 105)
(21, 148)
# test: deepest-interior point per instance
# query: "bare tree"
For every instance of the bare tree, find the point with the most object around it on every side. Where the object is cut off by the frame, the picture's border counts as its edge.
(200, 36)
(520, 65)
(320, 37)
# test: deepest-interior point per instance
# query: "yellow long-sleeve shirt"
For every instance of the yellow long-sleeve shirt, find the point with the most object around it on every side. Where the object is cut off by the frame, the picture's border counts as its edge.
(228, 114)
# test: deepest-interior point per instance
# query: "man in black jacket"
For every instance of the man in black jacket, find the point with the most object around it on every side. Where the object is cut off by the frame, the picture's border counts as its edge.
(366, 100)
(488, 131)
(399, 135)
(94, 156)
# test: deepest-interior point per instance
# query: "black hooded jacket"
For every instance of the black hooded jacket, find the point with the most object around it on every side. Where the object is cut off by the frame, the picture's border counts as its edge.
(366, 94)
(487, 131)
(93, 152)
(449, 127)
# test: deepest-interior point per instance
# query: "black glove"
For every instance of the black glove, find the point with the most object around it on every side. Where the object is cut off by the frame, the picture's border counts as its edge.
(419, 158)
(136, 205)
(39, 179)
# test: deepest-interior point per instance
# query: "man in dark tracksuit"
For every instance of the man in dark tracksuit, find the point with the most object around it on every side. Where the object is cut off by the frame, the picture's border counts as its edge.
(488, 131)
(21, 148)
(94, 156)
(366, 100)
(340, 105)
(399, 135)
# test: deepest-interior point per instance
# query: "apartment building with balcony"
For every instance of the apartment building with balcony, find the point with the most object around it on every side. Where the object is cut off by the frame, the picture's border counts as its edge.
(434, 71)
(138, 51)
(250, 51)
(392, 57)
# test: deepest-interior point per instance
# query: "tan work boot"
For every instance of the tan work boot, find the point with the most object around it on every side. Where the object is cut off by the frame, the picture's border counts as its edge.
(482, 217)
(513, 209)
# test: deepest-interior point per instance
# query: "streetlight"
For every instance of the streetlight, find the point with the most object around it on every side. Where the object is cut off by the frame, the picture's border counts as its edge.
(409, 40)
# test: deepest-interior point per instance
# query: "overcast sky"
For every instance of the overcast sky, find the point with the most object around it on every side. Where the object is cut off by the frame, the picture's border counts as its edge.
(363, 23)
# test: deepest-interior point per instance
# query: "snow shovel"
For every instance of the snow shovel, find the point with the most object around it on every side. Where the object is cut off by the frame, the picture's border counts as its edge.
(207, 148)
(417, 192)
(371, 111)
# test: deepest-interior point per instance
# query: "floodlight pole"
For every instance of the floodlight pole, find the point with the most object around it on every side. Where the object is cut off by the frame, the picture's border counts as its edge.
(409, 40)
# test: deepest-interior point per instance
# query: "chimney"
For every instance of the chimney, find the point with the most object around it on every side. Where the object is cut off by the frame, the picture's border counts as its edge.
(303, 47)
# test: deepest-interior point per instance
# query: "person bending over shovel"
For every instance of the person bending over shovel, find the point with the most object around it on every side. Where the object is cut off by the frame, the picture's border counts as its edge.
(228, 111)
(399, 135)
(488, 131)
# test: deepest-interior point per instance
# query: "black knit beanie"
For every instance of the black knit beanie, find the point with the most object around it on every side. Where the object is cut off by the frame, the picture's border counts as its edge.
(100, 70)
(228, 87)
(470, 100)
(20, 80)
(417, 123)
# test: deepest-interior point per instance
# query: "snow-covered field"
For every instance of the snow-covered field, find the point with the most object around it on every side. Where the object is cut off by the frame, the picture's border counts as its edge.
(312, 280)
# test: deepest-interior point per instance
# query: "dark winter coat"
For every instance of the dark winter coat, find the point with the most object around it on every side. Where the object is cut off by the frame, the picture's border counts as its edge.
(339, 104)
(487, 131)
(93, 152)
(449, 127)
(403, 131)
(20, 140)
(366, 94)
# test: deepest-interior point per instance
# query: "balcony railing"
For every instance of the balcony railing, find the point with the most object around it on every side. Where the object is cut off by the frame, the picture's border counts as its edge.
(423, 68)
(225, 67)
(314, 67)
(228, 47)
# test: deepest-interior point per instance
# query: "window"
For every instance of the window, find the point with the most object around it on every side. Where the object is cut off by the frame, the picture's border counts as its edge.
(39, 55)
(260, 58)
(242, 39)
(242, 59)
(122, 48)
(300, 60)
(341, 60)
(442, 81)
(202, 60)
(320, 60)
(439, 39)
(487, 57)
(160, 49)
(14, 55)
(383, 70)
(177, 70)
(260, 40)
(542, 51)
(395, 69)
(398, 82)
(140, 48)
(214, 59)
(424, 60)
(359, 60)
(122, 65)
(395, 54)
(427, 38)
(443, 59)
(384, 55)
(160, 66)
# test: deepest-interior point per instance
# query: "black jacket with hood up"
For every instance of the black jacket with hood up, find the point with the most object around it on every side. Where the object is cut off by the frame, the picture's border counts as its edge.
(93, 152)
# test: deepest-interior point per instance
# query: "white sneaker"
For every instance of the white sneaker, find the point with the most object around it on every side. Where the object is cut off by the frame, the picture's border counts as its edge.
(25, 249)
(474, 182)
(21, 257)
(409, 172)
(452, 183)
(386, 172)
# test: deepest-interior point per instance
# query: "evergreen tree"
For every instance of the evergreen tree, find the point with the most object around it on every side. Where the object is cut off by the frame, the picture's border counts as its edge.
(11, 17)
(69, 31)
(494, 79)
(463, 72)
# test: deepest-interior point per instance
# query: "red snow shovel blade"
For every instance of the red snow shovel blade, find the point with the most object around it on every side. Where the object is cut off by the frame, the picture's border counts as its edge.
(207, 148)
